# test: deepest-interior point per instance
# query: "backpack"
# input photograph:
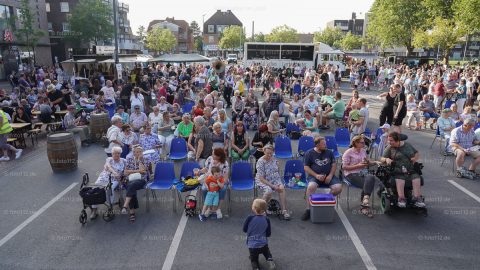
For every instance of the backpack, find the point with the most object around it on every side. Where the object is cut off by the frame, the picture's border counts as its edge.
(274, 207)
(187, 184)
(241, 87)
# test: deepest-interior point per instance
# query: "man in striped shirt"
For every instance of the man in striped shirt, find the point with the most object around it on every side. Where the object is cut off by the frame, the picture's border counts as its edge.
(462, 142)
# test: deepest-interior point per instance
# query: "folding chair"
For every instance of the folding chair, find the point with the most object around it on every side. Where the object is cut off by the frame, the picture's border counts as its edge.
(178, 149)
(438, 135)
(305, 143)
(283, 147)
(342, 137)
(241, 179)
(333, 146)
(164, 178)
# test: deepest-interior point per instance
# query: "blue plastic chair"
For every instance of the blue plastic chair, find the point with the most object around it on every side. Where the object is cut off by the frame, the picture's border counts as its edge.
(241, 179)
(305, 143)
(187, 107)
(448, 103)
(477, 125)
(459, 123)
(178, 149)
(291, 127)
(342, 137)
(164, 179)
(187, 169)
(297, 89)
(110, 109)
(125, 150)
(332, 145)
(350, 184)
(367, 133)
(283, 147)
(292, 167)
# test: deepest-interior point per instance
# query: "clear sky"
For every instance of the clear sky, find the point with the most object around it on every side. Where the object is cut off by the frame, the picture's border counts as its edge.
(307, 16)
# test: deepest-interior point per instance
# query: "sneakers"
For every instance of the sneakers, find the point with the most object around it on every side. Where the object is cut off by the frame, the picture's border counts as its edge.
(419, 203)
(219, 214)
(4, 158)
(306, 215)
(271, 264)
(255, 266)
(402, 203)
(18, 153)
(202, 217)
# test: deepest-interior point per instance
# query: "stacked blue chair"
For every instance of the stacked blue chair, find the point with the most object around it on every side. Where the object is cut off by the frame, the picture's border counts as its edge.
(178, 149)
(163, 180)
(241, 179)
(305, 143)
(283, 147)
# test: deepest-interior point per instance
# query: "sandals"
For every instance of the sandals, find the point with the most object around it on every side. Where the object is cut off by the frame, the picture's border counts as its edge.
(366, 211)
(124, 210)
(132, 217)
(286, 215)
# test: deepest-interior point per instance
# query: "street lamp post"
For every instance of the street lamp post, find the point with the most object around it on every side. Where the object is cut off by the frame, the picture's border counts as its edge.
(115, 26)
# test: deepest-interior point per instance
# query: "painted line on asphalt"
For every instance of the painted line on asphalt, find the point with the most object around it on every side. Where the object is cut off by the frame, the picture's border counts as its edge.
(466, 191)
(356, 240)
(35, 215)
(172, 251)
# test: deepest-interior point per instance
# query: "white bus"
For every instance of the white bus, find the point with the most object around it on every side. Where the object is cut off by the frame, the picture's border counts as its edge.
(279, 54)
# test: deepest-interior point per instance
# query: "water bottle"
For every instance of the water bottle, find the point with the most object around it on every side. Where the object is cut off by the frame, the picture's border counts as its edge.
(404, 170)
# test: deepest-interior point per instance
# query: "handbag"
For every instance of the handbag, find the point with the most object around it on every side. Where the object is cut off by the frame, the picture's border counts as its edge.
(93, 196)
(134, 176)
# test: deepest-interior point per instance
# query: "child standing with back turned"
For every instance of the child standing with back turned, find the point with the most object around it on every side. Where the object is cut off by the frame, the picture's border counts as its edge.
(257, 227)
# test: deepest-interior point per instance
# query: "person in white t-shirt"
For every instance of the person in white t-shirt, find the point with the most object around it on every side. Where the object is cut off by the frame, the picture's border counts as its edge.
(109, 92)
(154, 118)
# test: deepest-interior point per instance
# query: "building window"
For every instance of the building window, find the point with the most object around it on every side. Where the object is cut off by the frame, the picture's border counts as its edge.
(47, 7)
(66, 27)
(6, 13)
(211, 28)
(211, 39)
(64, 7)
(50, 27)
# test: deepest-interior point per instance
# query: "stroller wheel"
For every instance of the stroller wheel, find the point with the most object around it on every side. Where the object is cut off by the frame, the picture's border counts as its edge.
(108, 215)
(83, 217)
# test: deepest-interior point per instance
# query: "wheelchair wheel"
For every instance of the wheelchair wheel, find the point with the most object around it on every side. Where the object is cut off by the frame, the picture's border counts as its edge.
(108, 215)
(385, 204)
(83, 217)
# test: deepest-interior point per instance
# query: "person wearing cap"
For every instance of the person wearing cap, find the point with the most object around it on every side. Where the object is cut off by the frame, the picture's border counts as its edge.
(56, 97)
(71, 123)
(462, 142)
(138, 119)
(260, 139)
(120, 111)
(445, 124)
(320, 167)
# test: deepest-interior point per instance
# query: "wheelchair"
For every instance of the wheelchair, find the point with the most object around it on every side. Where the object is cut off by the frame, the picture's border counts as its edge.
(388, 192)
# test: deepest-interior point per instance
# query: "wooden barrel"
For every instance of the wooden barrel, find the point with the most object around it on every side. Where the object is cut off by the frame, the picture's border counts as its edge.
(62, 151)
(99, 124)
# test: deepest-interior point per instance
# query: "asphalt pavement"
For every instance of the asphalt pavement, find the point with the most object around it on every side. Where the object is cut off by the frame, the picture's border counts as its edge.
(39, 226)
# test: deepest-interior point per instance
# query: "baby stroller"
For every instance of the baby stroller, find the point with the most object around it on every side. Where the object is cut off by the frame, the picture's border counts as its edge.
(95, 195)
(388, 191)
(190, 205)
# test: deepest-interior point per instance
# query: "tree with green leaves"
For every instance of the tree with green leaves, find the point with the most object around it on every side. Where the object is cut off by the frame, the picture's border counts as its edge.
(232, 37)
(92, 21)
(465, 14)
(260, 37)
(284, 34)
(141, 34)
(351, 42)
(198, 43)
(195, 28)
(27, 32)
(444, 31)
(160, 40)
(330, 36)
(393, 22)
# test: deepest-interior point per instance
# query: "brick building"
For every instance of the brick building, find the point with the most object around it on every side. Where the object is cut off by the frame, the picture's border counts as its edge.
(180, 29)
(214, 26)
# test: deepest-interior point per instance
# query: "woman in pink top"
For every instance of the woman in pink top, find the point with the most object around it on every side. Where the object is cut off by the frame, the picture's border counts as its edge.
(355, 169)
